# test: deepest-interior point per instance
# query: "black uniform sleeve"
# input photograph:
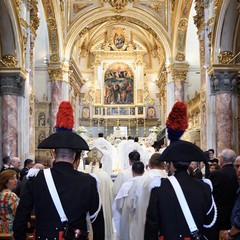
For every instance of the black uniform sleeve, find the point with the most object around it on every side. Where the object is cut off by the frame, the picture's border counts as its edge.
(96, 214)
(23, 213)
(98, 227)
(152, 219)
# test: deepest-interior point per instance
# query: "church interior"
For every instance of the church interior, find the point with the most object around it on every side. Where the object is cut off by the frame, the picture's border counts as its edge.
(122, 65)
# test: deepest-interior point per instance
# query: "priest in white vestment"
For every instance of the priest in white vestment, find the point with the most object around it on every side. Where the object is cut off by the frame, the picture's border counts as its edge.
(107, 149)
(121, 153)
(121, 216)
(105, 188)
(139, 194)
(125, 175)
(129, 146)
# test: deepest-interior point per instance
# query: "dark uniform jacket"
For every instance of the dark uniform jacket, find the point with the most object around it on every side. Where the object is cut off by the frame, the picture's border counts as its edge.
(78, 194)
(225, 186)
(164, 213)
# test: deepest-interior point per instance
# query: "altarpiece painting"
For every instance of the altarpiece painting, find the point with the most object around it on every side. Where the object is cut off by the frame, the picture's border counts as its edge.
(119, 84)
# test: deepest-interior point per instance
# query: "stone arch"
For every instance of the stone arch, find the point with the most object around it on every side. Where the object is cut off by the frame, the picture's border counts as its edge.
(181, 23)
(81, 27)
(55, 46)
(227, 32)
(10, 33)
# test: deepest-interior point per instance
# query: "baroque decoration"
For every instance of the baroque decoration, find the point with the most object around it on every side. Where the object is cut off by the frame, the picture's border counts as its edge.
(8, 61)
(118, 4)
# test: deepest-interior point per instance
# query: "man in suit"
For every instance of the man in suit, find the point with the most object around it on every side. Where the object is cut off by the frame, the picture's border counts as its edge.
(234, 231)
(196, 171)
(225, 186)
(28, 163)
(77, 191)
(165, 219)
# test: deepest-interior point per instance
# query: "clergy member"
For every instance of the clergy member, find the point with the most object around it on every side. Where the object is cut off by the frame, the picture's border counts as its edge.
(121, 216)
(139, 195)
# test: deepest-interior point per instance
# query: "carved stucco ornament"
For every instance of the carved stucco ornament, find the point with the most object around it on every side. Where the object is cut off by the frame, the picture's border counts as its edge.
(118, 4)
(225, 57)
(8, 61)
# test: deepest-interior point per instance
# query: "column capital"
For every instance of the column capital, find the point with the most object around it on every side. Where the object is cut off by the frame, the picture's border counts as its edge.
(57, 71)
(225, 82)
(179, 71)
(12, 82)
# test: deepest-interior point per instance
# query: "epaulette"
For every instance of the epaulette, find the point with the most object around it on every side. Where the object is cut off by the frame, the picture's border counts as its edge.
(33, 172)
(156, 182)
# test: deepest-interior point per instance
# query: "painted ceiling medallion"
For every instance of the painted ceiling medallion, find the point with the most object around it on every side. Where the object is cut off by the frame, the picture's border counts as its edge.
(119, 4)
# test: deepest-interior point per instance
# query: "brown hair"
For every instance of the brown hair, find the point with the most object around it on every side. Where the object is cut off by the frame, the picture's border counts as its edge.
(4, 177)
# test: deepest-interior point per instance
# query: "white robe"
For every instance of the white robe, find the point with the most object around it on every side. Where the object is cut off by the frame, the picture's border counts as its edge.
(121, 153)
(121, 216)
(138, 198)
(120, 179)
(105, 189)
(107, 149)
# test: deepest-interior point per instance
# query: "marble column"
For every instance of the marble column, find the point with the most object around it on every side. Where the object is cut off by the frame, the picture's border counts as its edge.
(11, 86)
(179, 75)
(56, 76)
(225, 86)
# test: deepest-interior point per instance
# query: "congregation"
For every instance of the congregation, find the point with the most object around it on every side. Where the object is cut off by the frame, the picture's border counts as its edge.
(179, 193)
(125, 198)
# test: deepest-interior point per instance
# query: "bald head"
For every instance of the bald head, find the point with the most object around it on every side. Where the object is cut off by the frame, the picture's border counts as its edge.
(227, 156)
(15, 162)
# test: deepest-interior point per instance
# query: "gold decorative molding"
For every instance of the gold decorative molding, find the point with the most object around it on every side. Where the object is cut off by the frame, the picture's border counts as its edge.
(118, 18)
(159, 7)
(55, 74)
(119, 39)
(179, 71)
(179, 75)
(173, 2)
(203, 98)
(199, 18)
(146, 94)
(52, 29)
(77, 7)
(62, 5)
(118, 4)
(98, 96)
(183, 24)
(34, 19)
(182, 29)
(140, 96)
(194, 112)
(225, 57)
(54, 58)
(52, 25)
(31, 95)
(180, 56)
(8, 61)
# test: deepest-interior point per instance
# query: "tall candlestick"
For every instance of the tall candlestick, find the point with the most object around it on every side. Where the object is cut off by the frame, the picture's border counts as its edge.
(136, 127)
(91, 128)
(144, 128)
(129, 124)
(98, 125)
(106, 128)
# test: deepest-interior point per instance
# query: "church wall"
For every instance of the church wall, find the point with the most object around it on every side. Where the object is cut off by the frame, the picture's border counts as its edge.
(42, 86)
(192, 42)
(192, 57)
(41, 43)
(193, 82)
